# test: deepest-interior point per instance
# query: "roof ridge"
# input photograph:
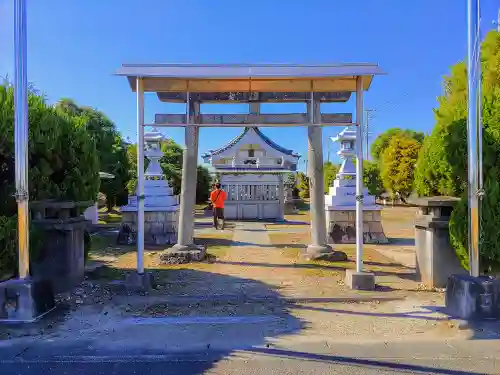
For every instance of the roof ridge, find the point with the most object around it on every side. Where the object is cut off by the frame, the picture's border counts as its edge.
(264, 137)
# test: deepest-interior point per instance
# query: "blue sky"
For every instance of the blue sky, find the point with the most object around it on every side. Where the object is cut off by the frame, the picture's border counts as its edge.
(74, 47)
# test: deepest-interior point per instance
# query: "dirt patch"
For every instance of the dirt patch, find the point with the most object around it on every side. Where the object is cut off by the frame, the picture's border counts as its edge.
(282, 240)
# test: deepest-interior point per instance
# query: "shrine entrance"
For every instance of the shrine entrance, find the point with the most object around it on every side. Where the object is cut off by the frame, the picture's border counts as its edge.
(254, 85)
(253, 200)
(251, 169)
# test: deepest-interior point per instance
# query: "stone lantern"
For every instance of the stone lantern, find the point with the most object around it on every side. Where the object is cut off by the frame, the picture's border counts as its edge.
(160, 205)
(340, 203)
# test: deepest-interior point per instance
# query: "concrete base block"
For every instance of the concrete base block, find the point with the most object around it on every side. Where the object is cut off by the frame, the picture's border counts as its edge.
(139, 282)
(179, 254)
(25, 300)
(324, 252)
(473, 298)
(360, 280)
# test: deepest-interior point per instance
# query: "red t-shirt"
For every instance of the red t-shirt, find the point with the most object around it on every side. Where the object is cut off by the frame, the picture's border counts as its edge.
(217, 197)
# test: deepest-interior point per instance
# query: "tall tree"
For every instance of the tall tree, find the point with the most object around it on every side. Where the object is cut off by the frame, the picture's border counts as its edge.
(171, 165)
(111, 149)
(372, 179)
(62, 162)
(398, 163)
(303, 185)
(442, 164)
(382, 141)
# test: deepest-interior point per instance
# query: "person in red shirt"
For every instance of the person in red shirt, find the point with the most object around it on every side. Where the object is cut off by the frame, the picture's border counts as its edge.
(218, 197)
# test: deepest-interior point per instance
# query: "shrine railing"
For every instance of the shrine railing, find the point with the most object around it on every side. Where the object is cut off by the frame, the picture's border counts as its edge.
(251, 192)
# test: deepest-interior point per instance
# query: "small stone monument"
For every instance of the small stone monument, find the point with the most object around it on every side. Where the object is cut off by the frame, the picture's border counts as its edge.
(340, 203)
(290, 208)
(161, 207)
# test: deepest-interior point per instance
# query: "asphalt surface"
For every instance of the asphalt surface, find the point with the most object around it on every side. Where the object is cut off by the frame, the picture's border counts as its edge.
(404, 357)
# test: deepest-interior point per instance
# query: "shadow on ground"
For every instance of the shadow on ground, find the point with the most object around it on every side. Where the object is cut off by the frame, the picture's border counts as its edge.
(189, 312)
(395, 367)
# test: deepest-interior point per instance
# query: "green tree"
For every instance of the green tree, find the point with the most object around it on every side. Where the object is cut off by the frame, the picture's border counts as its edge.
(303, 185)
(290, 179)
(398, 164)
(382, 141)
(111, 149)
(442, 165)
(203, 184)
(372, 179)
(330, 171)
(62, 160)
(171, 165)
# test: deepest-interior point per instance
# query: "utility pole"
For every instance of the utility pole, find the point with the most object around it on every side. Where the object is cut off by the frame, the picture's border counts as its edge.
(474, 133)
(328, 149)
(498, 20)
(369, 116)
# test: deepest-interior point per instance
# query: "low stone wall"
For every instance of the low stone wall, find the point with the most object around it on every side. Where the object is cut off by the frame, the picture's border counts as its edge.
(341, 226)
(160, 227)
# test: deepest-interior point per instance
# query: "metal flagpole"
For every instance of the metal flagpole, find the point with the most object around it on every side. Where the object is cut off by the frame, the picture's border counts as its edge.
(359, 175)
(140, 174)
(473, 131)
(21, 134)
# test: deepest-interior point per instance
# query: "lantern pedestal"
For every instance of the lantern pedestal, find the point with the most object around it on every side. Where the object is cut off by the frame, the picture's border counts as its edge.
(340, 202)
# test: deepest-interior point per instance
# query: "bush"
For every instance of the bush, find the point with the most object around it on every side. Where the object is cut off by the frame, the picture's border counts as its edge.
(372, 180)
(489, 237)
(8, 246)
(62, 162)
(111, 150)
(61, 156)
(303, 185)
(330, 171)
(203, 184)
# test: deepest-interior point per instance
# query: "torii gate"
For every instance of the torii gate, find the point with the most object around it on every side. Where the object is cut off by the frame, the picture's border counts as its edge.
(254, 84)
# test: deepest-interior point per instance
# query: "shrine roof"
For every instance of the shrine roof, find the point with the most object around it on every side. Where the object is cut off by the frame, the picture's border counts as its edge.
(265, 138)
(346, 134)
(197, 78)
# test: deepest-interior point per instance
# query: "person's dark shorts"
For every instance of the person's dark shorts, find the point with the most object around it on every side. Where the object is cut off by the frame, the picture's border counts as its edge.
(219, 212)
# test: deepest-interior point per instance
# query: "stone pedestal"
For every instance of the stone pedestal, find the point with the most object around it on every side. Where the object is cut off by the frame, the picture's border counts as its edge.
(436, 258)
(25, 301)
(160, 228)
(473, 298)
(60, 258)
(289, 202)
(180, 254)
(359, 280)
(139, 282)
(341, 223)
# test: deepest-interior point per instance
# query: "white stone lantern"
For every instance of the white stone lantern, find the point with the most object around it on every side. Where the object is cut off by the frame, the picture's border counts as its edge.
(160, 205)
(340, 203)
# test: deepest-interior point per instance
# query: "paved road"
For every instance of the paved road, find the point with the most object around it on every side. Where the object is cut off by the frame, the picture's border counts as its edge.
(417, 357)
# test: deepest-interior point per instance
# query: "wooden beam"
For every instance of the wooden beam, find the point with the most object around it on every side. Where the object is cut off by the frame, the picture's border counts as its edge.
(306, 85)
(236, 120)
(251, 97)
(181, 125)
